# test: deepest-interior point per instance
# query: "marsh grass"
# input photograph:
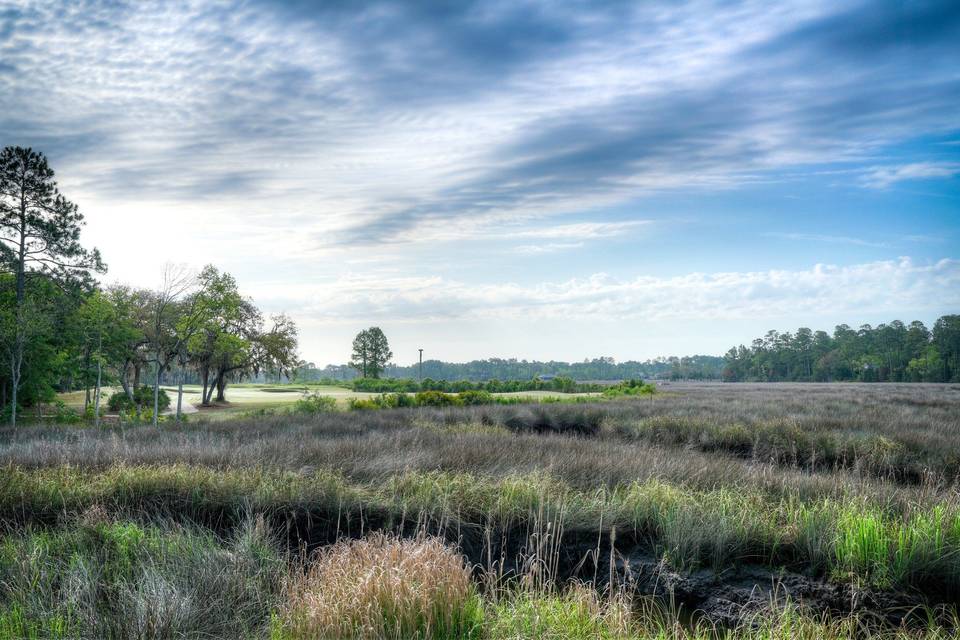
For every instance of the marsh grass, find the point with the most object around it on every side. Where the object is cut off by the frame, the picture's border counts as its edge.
(851, 538)
(120, 579)
(160, 532)
(382, 587)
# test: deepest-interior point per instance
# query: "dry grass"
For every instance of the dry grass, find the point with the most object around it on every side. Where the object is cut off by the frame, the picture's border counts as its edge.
(383, 587)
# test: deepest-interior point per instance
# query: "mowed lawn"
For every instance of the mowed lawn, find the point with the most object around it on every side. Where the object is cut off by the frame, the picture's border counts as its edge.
(249, 397)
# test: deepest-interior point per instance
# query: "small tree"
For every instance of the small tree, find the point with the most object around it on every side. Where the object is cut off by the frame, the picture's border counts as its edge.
(371, 352)
(98, 317)
(360, 352)
(165, 343)
(39, 235)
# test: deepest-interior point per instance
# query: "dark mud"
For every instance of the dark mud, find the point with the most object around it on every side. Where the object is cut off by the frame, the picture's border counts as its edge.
(740, 595)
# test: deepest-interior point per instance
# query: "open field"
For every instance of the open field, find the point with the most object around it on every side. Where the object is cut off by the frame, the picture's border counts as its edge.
(746, 510)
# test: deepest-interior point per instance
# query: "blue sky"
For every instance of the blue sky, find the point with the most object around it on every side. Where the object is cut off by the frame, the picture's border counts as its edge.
(530, 179)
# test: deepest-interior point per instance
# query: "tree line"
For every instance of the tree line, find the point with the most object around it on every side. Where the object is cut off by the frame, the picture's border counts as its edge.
(699, 367)
(893, 352)
(60, 330)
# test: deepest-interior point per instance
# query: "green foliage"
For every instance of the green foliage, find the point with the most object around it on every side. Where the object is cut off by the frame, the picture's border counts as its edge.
(436, 399)
(66, 415)
(699, 367)
(406, 385)
(361, 404)
(142, 397)
(630, 388)
(383, 401)
(315, 403)
(371, 352)
(891, 352)
(470, 398)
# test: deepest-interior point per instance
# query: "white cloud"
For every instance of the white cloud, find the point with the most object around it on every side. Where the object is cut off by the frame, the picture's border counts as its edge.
(582, 230)
(549, 247)
(883, 177)
(893, 286)
(816, 237)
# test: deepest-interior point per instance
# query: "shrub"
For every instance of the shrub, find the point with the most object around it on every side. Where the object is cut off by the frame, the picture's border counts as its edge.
(383, 587)
(436, 399)
(361, 404)
(630, 388)
(65, 415)
(315, 403)
(142, 397)
(476, 397)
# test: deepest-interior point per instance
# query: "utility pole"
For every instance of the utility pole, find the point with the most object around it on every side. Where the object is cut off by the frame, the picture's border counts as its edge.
(420, 371)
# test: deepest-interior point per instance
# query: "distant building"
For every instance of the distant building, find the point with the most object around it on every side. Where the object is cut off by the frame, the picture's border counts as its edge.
(546, 378)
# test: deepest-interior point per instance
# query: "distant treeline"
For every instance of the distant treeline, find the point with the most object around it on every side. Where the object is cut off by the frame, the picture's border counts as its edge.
(672, 368)
(892, 352)
(561, 384)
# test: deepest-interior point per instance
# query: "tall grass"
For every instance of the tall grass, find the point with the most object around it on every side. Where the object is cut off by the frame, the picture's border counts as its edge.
(382, 587)
(116, 579)
(850, 538)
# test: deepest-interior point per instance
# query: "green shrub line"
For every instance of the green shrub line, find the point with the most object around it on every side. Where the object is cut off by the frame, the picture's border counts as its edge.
(561, 384)
(847, 539)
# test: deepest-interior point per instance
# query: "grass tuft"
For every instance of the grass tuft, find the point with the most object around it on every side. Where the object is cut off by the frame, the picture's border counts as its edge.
(382, 587)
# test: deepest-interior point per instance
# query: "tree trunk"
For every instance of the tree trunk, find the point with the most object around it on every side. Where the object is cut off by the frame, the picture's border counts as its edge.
(16, 361)
(179, 392)
(221, 387)
(96, 402)
(124, 382)
(156, 393)
(205, 375)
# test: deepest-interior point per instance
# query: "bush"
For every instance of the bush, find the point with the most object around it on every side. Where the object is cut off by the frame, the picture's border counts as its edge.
(142, 397)
(471, 398)
(315, 403)
(360, 404)
(65, 415)
(630, 388)
(436, 399)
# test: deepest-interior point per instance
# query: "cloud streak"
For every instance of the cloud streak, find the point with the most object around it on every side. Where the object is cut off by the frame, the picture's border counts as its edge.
(887, 176)
(875, 287)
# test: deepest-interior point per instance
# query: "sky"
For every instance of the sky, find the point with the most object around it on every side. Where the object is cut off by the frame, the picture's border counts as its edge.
(540, 180)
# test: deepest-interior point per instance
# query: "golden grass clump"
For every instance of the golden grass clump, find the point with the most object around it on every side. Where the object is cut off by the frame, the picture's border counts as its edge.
(383, 587)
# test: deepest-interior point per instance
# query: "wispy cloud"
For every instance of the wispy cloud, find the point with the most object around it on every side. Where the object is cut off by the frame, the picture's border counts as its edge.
(392, 122)
(550, 247)
(816, 237)
(886, 176)
(583, 230)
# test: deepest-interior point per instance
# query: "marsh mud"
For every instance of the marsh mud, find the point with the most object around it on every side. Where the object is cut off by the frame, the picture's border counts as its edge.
(725, 598)
(737, 596)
